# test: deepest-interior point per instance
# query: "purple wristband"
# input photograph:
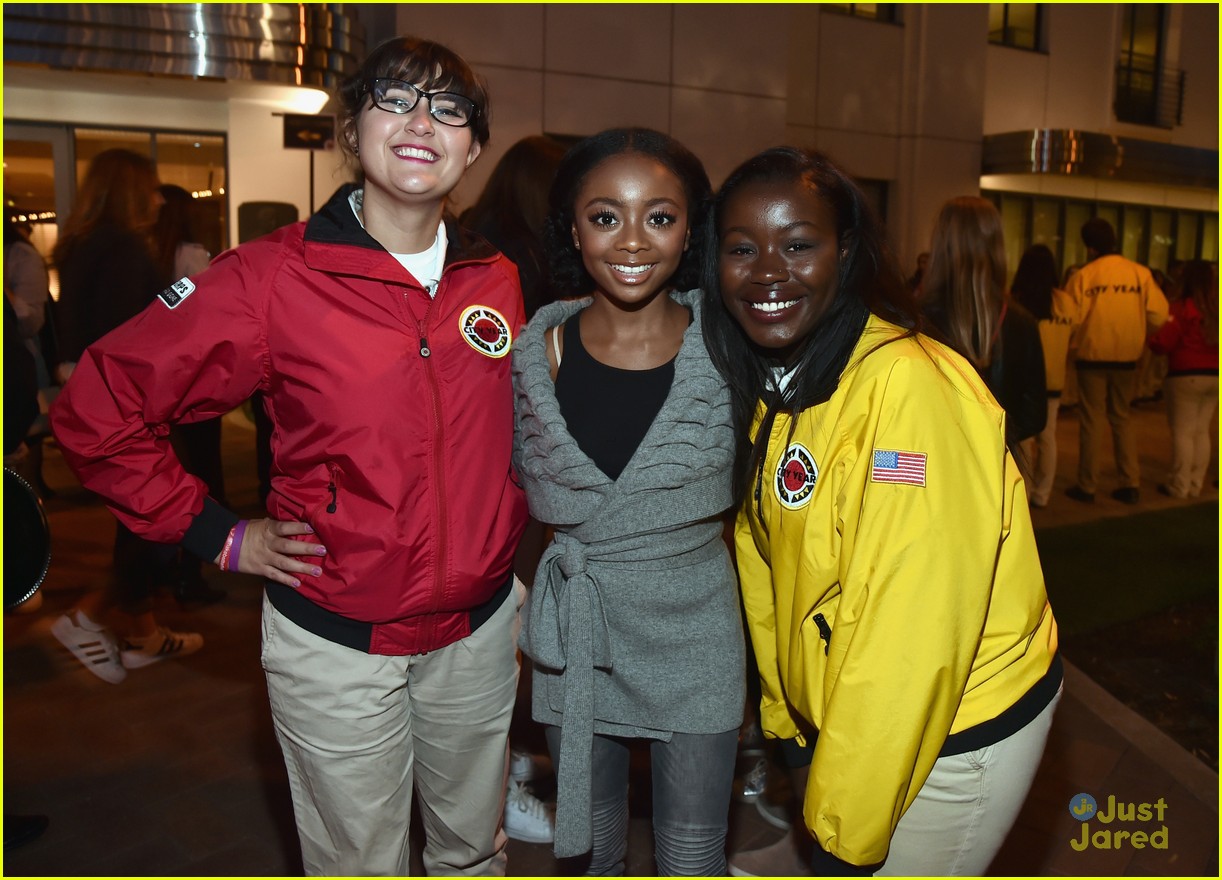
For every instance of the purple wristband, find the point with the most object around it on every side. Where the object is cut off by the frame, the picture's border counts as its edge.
(238, 531)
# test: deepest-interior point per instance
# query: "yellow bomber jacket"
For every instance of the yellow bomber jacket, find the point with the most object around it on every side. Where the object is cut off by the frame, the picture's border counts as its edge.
(891, 581)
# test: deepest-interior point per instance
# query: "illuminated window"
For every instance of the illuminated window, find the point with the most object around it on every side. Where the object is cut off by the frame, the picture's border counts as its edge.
(1015, 24)
(1147, 93)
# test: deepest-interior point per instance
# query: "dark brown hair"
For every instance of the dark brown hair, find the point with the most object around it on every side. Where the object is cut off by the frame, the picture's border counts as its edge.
(118, 191)
(424, 63)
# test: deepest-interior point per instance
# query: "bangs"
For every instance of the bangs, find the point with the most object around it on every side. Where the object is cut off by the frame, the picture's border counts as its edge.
(428, 73)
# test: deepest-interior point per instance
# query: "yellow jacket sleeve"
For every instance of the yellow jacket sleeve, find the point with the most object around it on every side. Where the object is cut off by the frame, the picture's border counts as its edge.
(916, 569)
(760, 606)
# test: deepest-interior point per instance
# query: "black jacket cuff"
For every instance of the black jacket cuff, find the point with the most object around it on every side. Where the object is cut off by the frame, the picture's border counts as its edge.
(207, 533)
(824, 864)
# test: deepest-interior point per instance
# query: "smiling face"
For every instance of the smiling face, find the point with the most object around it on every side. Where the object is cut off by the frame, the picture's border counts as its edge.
(411, 158)
(630, 224)
(778, 262)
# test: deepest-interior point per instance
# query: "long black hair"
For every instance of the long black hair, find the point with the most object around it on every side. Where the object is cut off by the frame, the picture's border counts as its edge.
(1034, 281)
(568, 273)
(869, 281)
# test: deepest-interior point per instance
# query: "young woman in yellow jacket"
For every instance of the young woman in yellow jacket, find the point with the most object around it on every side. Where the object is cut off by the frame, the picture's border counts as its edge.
(885, 549)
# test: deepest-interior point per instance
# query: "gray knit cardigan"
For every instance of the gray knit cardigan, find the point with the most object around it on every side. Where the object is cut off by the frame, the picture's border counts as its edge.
(633, 622)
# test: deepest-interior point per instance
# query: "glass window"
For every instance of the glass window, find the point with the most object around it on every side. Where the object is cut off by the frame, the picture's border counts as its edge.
(1015, 220)
(1133, 233)
(1139, 73)
(1146, 234)
(1046, 224)
(29, 190)
(1209, 238)
(1186, 227)
(1160, 240)
(1015, 24)
(194, 161)
(91, 141)
(1076, 214)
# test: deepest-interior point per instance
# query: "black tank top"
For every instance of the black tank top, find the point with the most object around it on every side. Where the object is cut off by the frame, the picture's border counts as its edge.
(607, 410)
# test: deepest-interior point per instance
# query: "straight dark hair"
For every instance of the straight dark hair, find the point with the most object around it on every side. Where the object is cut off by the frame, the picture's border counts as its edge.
(869, 281)
(1034, 281)
(175, 226)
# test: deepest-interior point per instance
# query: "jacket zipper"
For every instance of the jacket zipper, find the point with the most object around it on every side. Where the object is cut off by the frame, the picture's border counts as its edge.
(825, 631)
(331, 508)
(438, 466)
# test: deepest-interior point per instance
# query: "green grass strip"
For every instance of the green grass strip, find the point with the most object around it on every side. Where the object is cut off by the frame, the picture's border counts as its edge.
(1121, 569)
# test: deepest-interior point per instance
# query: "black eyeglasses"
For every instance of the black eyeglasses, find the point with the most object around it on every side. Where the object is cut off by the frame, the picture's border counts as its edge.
(397, 96)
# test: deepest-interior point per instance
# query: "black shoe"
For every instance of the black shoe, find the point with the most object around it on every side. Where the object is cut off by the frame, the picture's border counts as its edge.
(20, 830)
(1079, 494)
(1127, 495)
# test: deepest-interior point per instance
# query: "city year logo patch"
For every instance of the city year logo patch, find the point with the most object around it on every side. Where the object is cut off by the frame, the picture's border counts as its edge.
(795, 477)
(485, 330)
(173, 295)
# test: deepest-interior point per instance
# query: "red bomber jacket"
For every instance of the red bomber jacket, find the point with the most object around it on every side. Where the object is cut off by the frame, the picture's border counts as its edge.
(393, 417)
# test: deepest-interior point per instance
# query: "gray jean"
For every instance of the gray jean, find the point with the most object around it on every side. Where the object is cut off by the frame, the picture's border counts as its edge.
(692, 778)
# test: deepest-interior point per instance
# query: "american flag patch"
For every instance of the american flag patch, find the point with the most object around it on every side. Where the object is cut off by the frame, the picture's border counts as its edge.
(898, 467)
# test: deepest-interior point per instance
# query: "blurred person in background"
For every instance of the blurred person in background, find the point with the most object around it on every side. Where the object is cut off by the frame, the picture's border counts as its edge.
(108, 274)
(1112, 304)
(1189, 339)
(26, 286)
(1035, 287)
(198, 444)
(918, 275)
(964, 296)
(1152, 365)
(512, 207)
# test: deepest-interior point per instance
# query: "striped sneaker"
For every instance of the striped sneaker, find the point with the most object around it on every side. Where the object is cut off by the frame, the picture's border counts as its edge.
(141, 651)
(91, 643)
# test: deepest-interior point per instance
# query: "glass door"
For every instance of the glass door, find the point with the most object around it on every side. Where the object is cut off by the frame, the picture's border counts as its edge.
(39, 184)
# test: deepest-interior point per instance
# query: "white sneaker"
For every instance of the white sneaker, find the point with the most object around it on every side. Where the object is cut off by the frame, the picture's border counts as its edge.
(526, 817)
(522, 766)
(750, 786)
(141, 651)
(91, 643)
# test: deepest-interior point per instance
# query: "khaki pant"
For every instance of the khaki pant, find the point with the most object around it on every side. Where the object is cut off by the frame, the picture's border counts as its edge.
(968, 805)
(360, 731)
(1106, 392)
(1040, 453)
(1191, 404)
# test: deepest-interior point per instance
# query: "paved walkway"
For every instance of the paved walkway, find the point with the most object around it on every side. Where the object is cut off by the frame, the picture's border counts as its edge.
(176, 772)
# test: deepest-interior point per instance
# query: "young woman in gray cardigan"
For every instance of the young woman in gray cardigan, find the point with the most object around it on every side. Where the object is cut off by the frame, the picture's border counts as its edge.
(624, 446)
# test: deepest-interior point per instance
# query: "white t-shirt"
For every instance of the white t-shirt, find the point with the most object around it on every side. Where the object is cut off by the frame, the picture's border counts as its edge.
(425, 266)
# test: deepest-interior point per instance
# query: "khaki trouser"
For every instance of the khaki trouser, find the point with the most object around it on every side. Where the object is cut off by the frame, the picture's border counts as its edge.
(360, 731)
(1040, 454)
(968, 805)
(1110, 392)
(1191, 404)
